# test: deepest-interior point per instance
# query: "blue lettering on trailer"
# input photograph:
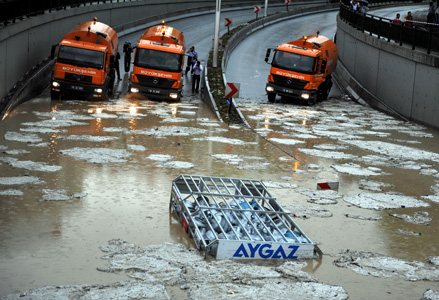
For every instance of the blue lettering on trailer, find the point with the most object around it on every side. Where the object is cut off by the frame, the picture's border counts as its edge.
(255, 250)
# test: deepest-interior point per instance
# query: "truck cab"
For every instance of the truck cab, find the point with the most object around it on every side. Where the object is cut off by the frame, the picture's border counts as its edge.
(158, 64)
(301, 69)
(84, 66)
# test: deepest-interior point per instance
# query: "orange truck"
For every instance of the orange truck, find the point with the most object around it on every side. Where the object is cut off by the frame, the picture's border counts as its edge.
(158, 64)
(84, 66)
(302, 69)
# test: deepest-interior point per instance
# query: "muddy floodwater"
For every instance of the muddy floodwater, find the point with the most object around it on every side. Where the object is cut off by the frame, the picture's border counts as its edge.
(85, 190)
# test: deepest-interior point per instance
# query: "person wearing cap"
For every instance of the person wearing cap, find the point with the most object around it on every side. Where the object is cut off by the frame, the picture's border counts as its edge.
(191, 54)
(408, 20)
(363, 7)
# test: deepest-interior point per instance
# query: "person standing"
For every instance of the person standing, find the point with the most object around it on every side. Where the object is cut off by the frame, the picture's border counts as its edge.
(127, 49)
(191, 54)
(197, 70)
(408, 20)
(431, 14)
(116, 65)
(397, 20)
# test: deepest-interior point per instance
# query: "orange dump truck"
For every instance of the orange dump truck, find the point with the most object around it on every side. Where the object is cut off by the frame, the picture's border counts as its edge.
(158, 64)
(84, 65)
(301, 69)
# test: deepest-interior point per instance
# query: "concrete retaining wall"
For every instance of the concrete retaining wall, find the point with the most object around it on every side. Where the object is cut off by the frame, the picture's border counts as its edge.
(391, 78)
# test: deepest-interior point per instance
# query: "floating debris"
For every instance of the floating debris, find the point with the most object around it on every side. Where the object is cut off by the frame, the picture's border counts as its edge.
(22, 137)
(367, 263)
(419, 217)
(30, 165)
(160, 157)
(20, 180)
(380, 201)
(406, 232)
(358, 217)
(138, 148)
(11, 192)
(97, 155)
(371, 185)
(59, 195)
(305, 212)
(354, 169)
(176, 165)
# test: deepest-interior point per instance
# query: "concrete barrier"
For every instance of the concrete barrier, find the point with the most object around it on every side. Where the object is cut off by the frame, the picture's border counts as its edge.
(389, 77)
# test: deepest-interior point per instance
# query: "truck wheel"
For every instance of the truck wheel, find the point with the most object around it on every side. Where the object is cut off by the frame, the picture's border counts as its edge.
(271, 97)
(312, 101)
(54, 95)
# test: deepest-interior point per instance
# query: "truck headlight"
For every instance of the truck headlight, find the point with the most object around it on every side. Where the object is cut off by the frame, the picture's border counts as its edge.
(134, 90)
(55, 84)
(269, 88)
(98, 91)
(305, 96)
(173, 95)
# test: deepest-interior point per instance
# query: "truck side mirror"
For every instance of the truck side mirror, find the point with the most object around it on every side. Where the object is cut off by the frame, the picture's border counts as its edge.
(52, 51)
(267, 55)
(323, 66)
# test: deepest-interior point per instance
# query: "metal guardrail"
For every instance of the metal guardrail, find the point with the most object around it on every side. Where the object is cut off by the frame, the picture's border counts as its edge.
(13, 10)
(418, 35)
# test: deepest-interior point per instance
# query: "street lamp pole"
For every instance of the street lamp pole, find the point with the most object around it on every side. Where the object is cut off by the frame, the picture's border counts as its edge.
(216, 37)
(265, 8)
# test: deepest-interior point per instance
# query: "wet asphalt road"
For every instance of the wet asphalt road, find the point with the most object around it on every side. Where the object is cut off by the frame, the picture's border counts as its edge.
(107, 172)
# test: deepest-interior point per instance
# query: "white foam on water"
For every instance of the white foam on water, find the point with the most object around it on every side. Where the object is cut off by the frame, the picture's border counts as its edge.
(380, 201)
(286, 141)
(14, 180)
(367, 263)
(138, 148)
(177, 165)
(11, 192)
(88, 138)
(30, 165)
(160, 157)
(354, 169)
(97, 155)
(22, 137)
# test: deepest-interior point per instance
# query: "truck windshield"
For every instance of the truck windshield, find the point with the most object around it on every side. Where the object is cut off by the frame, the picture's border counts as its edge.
(294, 62)
(158, 60)
(81, 57)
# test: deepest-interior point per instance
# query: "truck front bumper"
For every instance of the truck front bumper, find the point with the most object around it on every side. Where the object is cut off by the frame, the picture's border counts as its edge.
(155, 92)
(77, 89)
(305, 95)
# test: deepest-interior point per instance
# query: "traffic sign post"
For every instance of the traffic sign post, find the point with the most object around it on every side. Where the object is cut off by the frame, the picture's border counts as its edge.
(227, 23)
(256, 10)
(287, 2)
(232, 90)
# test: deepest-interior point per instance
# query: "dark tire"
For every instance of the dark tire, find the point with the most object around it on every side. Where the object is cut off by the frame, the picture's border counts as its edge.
(54, 95)
(271, 97)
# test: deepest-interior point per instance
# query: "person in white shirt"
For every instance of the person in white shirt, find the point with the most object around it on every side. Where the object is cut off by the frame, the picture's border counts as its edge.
(197, 70)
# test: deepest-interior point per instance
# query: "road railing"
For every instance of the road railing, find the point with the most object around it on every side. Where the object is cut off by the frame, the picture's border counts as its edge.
(415, 34)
